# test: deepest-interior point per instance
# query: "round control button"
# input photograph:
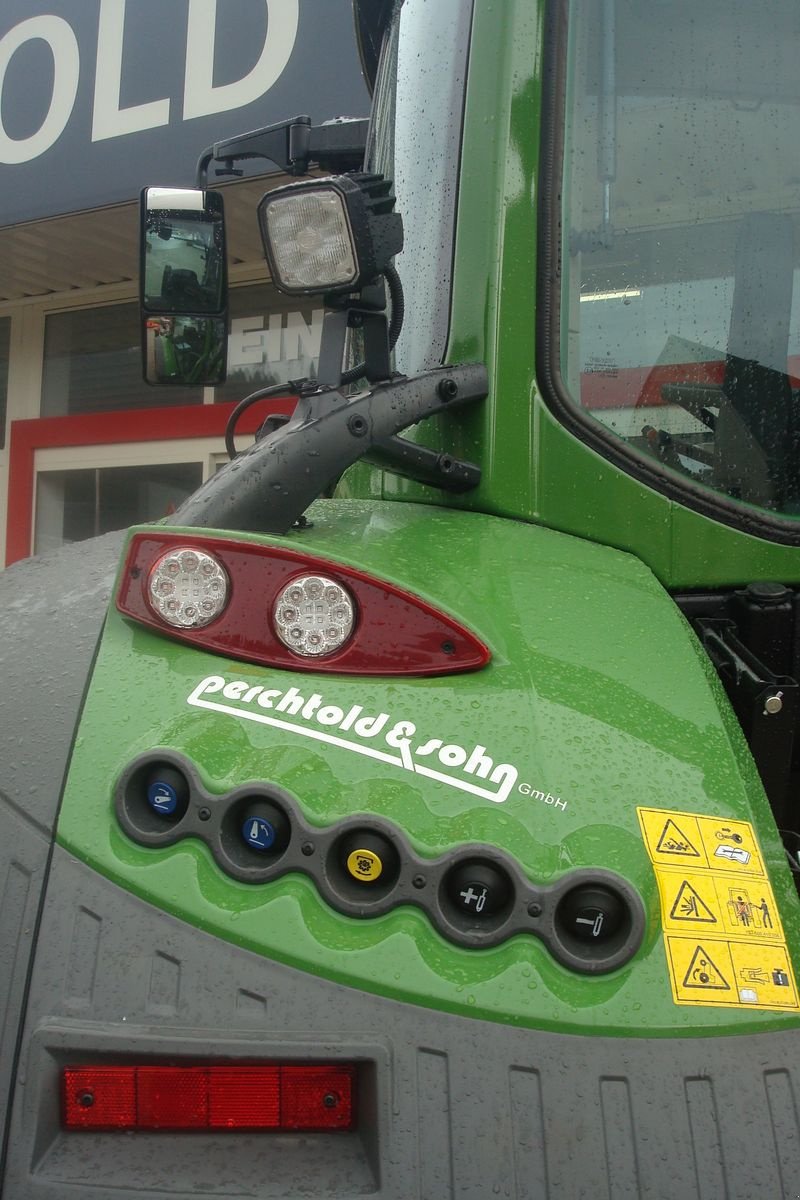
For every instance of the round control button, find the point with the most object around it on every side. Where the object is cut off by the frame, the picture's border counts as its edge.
(368, 858)
(167, 792)
(163, 798)
(364, 865)
(258, 833)
(478, 889)
(264, 827)
(592, 913)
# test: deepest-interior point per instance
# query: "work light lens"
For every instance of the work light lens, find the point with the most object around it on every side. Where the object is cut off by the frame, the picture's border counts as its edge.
(188, 588)
(314, 615)
(310, 242)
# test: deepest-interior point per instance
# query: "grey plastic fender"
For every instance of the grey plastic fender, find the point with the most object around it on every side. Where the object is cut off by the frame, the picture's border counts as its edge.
(51, 613)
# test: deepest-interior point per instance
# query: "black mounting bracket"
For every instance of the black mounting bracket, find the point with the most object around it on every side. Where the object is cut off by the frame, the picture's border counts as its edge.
(268, 487)
(766, 706)
(292, 145)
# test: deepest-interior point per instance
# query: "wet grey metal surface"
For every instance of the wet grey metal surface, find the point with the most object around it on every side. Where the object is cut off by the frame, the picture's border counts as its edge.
(449, 1107)
(51, 613)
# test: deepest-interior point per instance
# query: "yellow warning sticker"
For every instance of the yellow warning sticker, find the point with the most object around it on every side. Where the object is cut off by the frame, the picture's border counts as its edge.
(672, 838)
(732, 974)
(763, 976)
(701, 971)
(722, 906)
(723, 936)
(731, 847)
(676, 839)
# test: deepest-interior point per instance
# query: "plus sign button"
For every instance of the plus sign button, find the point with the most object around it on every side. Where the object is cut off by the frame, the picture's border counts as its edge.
(478, 889)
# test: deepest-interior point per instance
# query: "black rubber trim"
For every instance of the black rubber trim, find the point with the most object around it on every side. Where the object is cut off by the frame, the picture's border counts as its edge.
(527, 908)
(548, 332)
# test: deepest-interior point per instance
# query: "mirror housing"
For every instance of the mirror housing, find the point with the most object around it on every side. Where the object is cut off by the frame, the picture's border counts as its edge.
(183, 291)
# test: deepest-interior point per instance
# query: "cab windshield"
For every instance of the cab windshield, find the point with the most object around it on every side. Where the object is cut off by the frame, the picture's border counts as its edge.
(680, 321)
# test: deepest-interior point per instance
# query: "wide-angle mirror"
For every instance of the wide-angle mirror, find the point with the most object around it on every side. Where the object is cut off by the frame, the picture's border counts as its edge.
(185, 350)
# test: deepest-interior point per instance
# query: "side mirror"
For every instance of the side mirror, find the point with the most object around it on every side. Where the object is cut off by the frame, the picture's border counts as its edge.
(183, 292)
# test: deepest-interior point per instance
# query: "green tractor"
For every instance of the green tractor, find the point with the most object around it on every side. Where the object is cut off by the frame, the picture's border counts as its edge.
(420, 817)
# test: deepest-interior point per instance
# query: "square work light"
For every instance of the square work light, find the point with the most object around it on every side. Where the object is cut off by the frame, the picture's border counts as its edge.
(330, 235)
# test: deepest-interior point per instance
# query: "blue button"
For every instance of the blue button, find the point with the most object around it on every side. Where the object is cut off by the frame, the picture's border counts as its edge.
(162, 798)
(258, 833)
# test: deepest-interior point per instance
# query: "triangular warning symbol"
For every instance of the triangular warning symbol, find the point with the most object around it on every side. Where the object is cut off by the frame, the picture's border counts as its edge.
(674, 841)
(689, 906)
(703, 972)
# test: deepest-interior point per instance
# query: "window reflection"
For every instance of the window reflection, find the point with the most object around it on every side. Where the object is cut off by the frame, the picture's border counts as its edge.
(680, 323)
(78, 504)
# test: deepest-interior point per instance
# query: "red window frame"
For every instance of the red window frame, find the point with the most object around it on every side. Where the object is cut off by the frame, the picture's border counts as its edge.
(106, 429)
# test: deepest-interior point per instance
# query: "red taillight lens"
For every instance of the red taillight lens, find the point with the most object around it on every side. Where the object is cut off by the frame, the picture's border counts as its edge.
(388, 631)
(303, 1098)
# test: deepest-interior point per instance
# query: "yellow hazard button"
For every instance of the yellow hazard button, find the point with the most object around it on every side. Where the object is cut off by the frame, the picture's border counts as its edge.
(364, 865)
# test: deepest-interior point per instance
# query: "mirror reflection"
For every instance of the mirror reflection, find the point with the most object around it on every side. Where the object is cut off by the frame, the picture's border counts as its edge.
(183, 269)
(187, 350)
(183, 286)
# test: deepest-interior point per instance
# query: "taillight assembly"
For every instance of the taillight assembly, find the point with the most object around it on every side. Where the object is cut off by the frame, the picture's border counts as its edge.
(289, 1097)
(277, 607)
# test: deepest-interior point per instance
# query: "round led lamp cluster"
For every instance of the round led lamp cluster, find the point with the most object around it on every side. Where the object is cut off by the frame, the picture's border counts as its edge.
(188, 588)
(313, 615)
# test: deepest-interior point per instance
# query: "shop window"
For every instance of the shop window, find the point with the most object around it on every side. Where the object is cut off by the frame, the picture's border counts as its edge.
(93, 363)
(92, 356)
(273, 338)
(5, 340)
(78, 504)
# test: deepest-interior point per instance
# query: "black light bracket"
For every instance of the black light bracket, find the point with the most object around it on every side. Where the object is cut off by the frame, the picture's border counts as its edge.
(268, 487)
(365, 311)
(292, 145)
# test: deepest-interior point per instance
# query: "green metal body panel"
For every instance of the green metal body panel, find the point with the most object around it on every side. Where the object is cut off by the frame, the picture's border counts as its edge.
(597, 694)
(533, 468)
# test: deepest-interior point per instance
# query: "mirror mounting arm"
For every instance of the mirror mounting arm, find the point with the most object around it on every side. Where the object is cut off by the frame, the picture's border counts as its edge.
(268, 487)
(292, 145)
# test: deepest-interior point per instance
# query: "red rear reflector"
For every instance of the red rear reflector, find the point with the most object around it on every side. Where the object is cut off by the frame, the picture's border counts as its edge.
(171, 1098)
(288, 1097)
(99, 1098)
(394, 633)
(237, 1100)
(317, 1098)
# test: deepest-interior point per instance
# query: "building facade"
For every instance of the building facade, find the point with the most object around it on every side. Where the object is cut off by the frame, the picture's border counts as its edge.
(98, 99)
